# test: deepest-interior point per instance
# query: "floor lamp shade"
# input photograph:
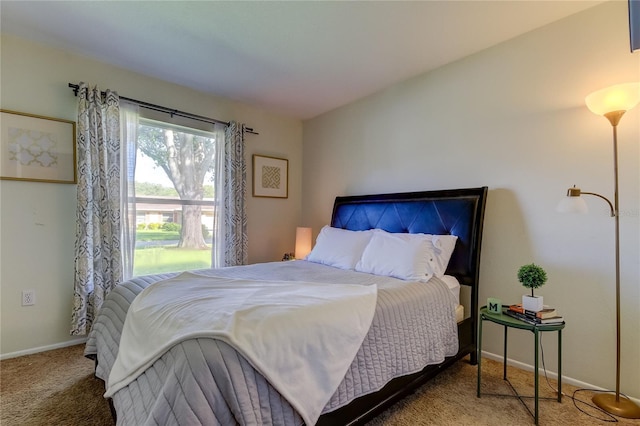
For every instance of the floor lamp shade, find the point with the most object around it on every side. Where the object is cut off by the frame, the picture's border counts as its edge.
(572, 205)
(303, 242)
(614, 100)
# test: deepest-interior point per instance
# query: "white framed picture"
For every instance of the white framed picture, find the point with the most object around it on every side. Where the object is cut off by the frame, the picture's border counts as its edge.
(270, 177)
(37, 148)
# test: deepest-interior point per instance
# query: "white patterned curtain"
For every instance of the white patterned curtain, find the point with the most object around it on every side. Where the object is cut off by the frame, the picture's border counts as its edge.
(98, 258)
(231, 238)
(129, 118)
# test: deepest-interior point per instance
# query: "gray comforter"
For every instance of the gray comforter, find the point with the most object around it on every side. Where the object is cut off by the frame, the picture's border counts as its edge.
(205, 381)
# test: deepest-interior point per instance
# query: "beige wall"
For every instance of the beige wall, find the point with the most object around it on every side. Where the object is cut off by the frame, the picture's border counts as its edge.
(513, 118)
(37, 229)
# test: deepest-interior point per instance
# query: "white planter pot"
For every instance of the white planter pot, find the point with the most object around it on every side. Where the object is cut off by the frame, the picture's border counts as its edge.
(532, 303)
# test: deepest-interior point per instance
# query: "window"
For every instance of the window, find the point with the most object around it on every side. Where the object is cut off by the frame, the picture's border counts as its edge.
(174, 197)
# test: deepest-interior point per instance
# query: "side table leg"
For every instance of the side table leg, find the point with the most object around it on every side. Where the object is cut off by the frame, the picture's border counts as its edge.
(559, 365)
(535, 333)
(479, 349)
(504, 355)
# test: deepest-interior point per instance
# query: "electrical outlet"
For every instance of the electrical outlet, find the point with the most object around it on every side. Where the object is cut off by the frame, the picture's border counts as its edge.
(28, 297)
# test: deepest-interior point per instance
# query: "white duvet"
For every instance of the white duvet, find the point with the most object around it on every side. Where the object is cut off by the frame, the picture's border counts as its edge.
(301, 336)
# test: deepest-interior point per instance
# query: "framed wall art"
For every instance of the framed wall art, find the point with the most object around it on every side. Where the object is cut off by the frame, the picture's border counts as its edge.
(270, 177)
(36, 148)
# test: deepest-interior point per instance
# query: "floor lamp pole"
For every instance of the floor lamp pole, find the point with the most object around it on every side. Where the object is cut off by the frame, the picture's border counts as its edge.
(615, 404)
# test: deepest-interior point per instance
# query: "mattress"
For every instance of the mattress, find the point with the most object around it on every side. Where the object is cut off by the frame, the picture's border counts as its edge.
(207, 381)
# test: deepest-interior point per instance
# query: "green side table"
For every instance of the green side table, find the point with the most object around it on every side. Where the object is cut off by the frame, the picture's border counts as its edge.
(509, 322)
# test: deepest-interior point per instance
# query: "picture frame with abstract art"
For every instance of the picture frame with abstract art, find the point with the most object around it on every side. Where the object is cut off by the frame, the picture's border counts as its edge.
(270, 177)
(37, 148)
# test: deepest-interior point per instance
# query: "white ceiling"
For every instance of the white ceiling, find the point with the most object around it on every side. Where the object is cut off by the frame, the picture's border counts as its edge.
(298, 58)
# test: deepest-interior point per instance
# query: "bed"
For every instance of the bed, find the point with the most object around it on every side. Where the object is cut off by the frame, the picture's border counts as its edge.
(204, 380)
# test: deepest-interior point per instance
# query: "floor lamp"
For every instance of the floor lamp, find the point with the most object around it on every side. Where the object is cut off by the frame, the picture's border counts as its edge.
(612, 103)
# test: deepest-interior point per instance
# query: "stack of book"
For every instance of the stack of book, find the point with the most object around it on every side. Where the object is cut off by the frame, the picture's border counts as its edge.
(547, 316)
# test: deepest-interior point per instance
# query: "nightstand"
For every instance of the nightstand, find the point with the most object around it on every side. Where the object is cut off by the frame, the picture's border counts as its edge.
(509, 322)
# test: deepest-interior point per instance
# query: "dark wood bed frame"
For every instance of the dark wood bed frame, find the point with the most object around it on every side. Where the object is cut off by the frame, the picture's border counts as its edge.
(457, 212)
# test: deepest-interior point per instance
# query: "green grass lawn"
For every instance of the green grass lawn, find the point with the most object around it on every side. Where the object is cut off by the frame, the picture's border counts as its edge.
(157, 235)
(155, 260)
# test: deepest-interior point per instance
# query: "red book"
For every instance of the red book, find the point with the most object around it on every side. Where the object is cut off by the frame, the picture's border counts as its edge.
(517, 308)
(543, 314)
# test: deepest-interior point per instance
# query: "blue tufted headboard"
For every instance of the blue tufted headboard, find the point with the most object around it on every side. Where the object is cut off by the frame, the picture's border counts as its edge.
(457, 212)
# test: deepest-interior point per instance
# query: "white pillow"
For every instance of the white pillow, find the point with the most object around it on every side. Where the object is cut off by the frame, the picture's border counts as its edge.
(444, 246)
(339, 247)
(408, 256)
(404, 256)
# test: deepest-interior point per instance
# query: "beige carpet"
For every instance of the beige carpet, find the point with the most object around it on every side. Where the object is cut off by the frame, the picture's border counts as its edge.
(58, 388)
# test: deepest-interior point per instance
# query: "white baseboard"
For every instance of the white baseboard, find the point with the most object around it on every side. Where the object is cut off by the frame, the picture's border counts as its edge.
(43, 348)
(550, 374)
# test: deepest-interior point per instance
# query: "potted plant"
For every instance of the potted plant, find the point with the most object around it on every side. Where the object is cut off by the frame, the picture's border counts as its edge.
(532, 276)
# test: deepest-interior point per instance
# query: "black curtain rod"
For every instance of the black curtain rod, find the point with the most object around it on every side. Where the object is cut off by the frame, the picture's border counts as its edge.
(170, 111)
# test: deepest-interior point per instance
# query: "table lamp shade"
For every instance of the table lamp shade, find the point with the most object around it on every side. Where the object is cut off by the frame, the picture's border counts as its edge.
(303, 242)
